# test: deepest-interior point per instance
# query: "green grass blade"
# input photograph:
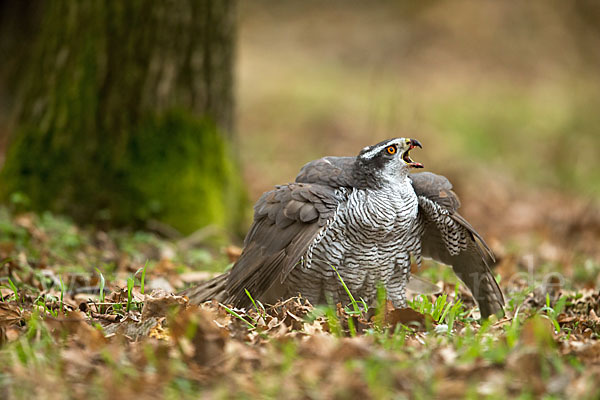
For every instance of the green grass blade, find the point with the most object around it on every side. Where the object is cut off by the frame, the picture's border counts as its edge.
(14, 289)
(143, 278)
(62, 293)
(238, 316)
(261, 311)
(130, 283)
(102, 283)
(352, 299)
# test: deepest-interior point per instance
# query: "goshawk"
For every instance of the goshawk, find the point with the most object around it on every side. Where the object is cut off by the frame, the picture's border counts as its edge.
(363, 217)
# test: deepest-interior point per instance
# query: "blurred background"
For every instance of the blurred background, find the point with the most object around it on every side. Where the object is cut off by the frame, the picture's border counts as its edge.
(178, 115)
(511, 87)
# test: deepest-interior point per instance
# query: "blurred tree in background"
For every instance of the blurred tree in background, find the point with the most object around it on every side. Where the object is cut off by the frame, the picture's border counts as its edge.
(121, 111)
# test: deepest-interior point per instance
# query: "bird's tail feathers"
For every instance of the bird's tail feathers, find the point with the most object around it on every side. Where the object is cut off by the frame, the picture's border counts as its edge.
(213, 289)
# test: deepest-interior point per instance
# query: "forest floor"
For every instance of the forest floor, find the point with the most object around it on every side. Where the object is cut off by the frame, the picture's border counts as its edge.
(91, 314)
(88, 314)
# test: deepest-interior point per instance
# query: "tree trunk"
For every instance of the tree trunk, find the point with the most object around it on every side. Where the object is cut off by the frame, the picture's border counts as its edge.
(124, 113)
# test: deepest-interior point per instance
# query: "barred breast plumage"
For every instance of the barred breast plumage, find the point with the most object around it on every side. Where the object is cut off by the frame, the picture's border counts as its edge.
(363, 217)
(369, 241)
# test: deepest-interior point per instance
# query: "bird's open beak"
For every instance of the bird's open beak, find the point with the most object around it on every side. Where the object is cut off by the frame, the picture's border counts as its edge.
(406, 156)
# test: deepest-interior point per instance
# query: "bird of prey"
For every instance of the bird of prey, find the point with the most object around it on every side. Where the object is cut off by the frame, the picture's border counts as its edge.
(363, 217)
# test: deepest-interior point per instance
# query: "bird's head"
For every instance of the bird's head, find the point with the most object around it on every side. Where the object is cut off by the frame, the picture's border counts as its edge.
(386, 161)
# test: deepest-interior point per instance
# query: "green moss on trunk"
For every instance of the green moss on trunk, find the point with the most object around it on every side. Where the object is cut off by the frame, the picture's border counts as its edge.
(175, 168)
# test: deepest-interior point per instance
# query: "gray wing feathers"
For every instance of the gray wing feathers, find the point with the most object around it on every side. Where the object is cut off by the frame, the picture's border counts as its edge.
(436, 188)
(450, 239)
(331, 171)
(286, 221)
(469, 266)
(482, 247)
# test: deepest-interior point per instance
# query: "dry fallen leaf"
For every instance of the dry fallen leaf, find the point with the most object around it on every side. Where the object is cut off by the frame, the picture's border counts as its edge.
(408, 317)
(75, 325)
(353, 348)
(198, 337)
(10, 314)
(538, 331)
(158, 303)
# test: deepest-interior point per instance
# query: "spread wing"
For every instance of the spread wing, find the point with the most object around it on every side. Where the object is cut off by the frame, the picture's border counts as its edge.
(286, 221)
(450, 239)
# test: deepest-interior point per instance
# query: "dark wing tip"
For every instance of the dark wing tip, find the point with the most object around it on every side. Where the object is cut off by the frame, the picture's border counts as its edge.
(482, 246)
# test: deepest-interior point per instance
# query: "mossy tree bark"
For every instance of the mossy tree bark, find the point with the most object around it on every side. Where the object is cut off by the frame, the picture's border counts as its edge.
(124, 114)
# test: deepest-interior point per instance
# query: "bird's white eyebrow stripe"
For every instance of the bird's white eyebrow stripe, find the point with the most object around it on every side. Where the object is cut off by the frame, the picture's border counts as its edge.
(370, 154)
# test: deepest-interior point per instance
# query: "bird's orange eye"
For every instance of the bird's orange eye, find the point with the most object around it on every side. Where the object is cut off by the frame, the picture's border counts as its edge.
(391, 149)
